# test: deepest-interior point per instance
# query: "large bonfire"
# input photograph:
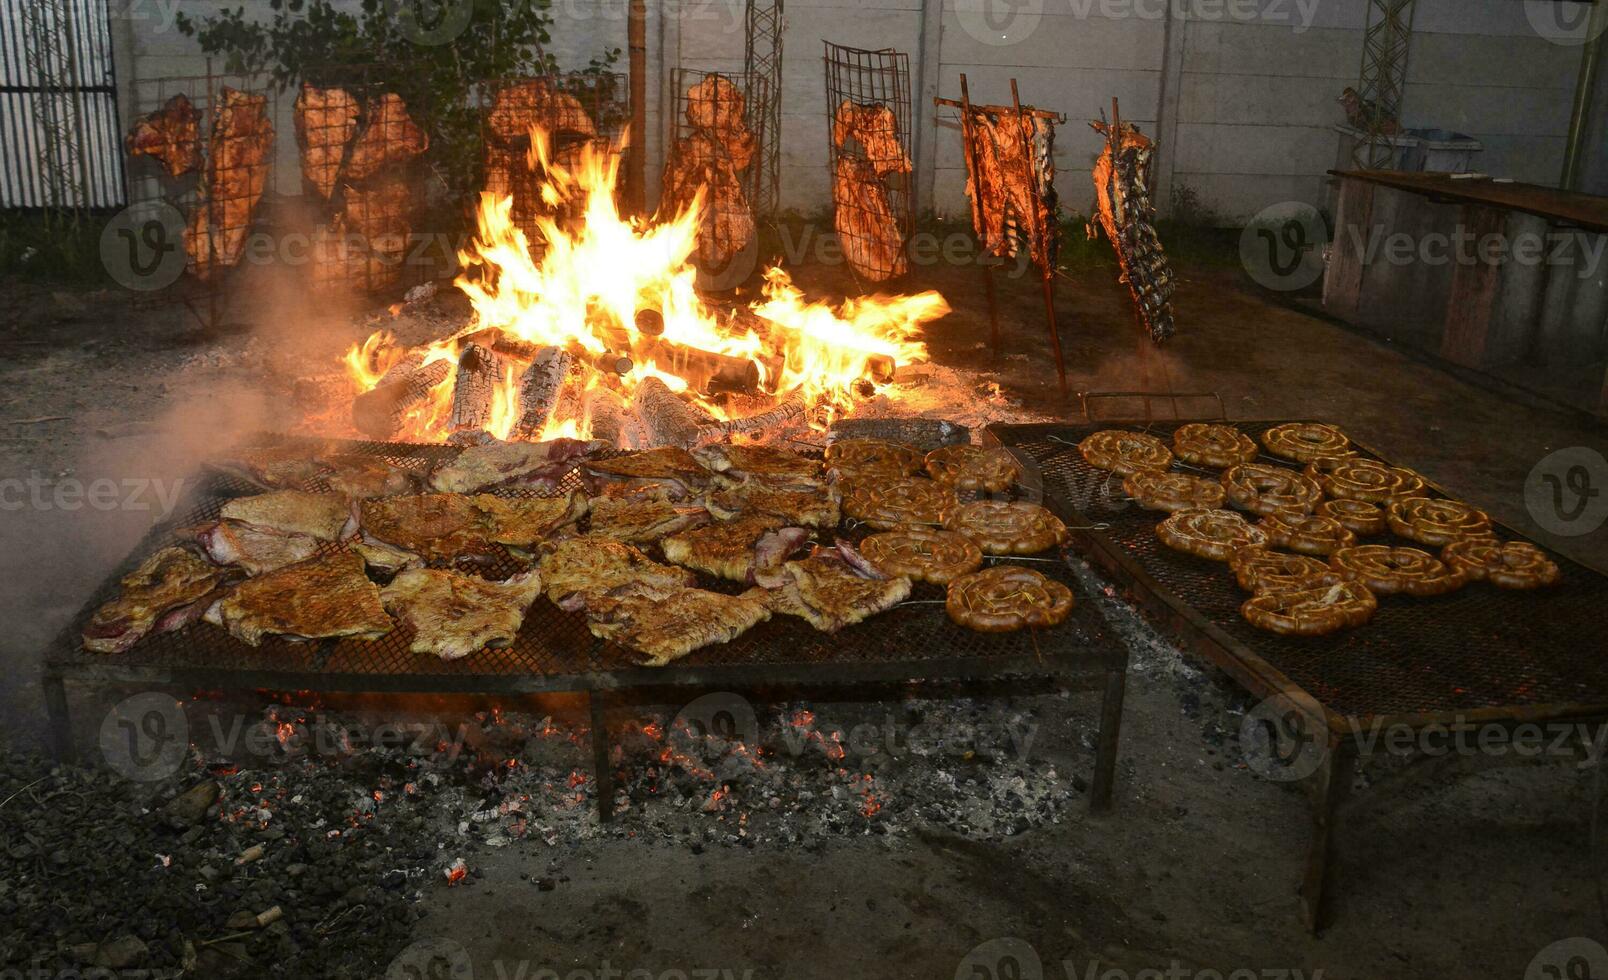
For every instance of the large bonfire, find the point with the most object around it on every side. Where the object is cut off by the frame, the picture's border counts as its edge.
(613, 302)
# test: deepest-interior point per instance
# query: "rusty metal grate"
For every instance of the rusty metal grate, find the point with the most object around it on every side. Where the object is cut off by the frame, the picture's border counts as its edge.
(555, 651)
(1481, 648)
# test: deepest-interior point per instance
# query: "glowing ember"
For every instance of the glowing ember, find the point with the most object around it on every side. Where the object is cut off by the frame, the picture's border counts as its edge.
(621, 291)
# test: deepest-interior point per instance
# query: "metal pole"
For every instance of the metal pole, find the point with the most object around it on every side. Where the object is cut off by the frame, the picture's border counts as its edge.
(636, 155)
(1585, 86)
(968, 140)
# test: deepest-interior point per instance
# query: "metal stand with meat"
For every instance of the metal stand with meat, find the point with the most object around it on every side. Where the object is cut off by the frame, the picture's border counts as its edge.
(239, 158)
(572, 111)
(868, 98)
(710, 159)
(1010, 166)
(354, 153)
(1126, 212)
(171, 135)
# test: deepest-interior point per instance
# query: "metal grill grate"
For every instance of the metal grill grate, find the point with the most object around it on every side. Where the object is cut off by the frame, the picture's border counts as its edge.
(1478, 648)
(554, 649)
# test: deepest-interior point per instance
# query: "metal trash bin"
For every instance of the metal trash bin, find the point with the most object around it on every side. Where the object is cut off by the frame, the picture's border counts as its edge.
(1443, 151)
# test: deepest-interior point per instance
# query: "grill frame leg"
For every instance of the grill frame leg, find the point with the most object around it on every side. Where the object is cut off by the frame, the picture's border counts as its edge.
(59, 712)
(602, 772)
(1105, 760)
(1329, 788)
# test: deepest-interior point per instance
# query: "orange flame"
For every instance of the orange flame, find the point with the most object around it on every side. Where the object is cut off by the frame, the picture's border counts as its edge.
(583, 288)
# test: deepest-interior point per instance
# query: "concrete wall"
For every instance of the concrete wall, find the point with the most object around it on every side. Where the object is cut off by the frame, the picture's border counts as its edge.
(1241, 93)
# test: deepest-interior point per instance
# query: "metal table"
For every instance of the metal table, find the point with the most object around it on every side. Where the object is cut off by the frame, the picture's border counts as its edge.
(1479, 656)
(554, 651)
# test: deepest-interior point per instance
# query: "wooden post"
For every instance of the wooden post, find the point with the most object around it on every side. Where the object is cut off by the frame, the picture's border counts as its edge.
(1038, 232)
(636, 155)
(1342, 281)
(1472, 305)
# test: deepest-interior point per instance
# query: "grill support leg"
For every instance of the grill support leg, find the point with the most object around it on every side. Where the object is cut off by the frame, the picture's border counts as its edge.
(1105, 759)
(61, 727)
(1329, 787)
(602, 772)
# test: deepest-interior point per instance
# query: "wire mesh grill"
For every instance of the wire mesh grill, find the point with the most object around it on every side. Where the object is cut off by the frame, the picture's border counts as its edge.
(553, 642)
(762, 58)
(1478, 648)
(868, 117)
(204, 146)
(575, 109)
(719, 118)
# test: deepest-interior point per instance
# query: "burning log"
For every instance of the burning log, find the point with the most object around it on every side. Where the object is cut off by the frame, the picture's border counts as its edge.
(474, 389)
(613, 420)
(379, 412)
(670, 420)
(703, 370)
(754, 425)
(924, 434)
(539, 390)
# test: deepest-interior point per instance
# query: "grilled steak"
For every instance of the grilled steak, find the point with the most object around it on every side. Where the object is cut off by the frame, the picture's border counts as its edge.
(328, 596)
(807, 508)
(453, 614)
(534, 464)
(666, 624)
(675, 469)
(641, 521)
(322, 515)
(774, 468)
(830, 592)
(172, 580)
(326, 120)
(362, 477)
(577, 569)
(727, 549)
(271, 467)
(434, 525)
(170, 135)
(385, 559)
(252, 548)
(522, 523)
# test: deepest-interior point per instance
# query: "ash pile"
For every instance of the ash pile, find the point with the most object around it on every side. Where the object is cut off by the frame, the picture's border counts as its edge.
(305, 849)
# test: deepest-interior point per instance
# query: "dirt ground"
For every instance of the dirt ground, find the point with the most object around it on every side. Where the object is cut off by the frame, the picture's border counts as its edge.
(1464, 869)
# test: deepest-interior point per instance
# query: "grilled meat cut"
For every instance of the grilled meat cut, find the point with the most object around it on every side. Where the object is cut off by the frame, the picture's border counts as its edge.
(249, 547)
(536, 104)
(673, 468)
(775, 468)
(667, 623)
(701, 164)
(324, 597)
(521, 523)
(730, 549)
(453, 614)
(384, 559)
(237, 174)
(389, 136)
(170, 135)
(538, 465)
(434, 525)
(871, 233)
(362, 477)
(1122, 181)
(577, 569)
(270, 467)
(642, 520)
(167, 584)
(325, 516)
(807, 508)
(832, 590)
(326, 120)
(875, 127)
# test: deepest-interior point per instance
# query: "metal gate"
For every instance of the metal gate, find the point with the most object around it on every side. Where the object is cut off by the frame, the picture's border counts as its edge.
(59, 129)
